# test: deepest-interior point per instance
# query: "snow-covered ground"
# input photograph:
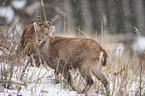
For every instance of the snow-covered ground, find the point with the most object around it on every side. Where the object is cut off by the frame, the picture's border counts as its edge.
(40, 82)
(45, 86)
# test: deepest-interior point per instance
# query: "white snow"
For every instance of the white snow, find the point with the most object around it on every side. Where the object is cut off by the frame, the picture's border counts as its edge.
(119, 49)
(46, 86)
(19, 4)
(7, 12)
(139, 44)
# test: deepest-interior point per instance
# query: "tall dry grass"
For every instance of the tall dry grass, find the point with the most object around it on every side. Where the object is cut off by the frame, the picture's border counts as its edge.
(13, 69)
(125, 73)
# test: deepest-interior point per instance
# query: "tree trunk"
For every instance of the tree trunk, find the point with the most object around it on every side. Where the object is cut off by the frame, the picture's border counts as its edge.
(68, 19)
(139, 12)
(127, 13)
(87, 19)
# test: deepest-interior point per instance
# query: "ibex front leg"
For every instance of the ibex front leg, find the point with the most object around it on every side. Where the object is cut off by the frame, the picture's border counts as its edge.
(100, 76)
(85, 72)
(69, 79)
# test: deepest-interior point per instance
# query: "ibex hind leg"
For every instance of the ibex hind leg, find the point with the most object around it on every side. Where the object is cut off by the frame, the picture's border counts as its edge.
(100, 76)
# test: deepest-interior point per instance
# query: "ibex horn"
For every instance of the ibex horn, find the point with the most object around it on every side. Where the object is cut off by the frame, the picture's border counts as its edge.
(53, 20)
(39, 19)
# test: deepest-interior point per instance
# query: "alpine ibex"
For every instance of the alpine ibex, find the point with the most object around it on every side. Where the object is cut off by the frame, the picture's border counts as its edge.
(63, 54)
(27, 45)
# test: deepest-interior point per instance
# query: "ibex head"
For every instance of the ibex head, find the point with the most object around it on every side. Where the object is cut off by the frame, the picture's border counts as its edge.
(43, 30)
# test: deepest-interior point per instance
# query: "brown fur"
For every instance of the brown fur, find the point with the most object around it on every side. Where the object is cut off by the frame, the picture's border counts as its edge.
(63, 54)
(27, 45)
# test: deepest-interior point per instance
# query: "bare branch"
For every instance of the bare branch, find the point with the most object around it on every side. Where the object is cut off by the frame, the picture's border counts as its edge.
(13, 82)
(42, 3)
(137, 31)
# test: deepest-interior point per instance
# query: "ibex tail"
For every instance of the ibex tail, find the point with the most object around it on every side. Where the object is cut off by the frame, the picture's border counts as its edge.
(105, 56)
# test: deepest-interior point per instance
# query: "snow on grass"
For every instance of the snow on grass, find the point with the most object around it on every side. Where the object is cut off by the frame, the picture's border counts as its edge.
(40, 82)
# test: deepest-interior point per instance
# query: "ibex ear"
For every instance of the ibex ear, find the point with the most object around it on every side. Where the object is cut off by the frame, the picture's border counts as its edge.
(35, 26)
(52, 29)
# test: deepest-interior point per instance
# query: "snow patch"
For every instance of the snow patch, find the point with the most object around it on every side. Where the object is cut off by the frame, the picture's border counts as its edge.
(120, 49)
(139, 44)
(19, 4)
(8, 13)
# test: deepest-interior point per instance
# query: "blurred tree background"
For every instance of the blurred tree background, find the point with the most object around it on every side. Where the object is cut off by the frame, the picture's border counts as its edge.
(90, 16)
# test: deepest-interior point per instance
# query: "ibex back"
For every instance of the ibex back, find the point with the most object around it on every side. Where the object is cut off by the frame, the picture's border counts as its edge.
(64, 54)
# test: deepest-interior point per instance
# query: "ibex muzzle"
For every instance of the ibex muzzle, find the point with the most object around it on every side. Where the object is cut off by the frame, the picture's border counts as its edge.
(64, 54)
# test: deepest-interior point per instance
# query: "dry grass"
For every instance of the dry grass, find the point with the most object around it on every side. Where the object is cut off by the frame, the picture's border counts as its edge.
(125, 73)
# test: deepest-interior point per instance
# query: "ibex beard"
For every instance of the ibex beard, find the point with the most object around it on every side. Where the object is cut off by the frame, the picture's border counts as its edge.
(72, 53)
